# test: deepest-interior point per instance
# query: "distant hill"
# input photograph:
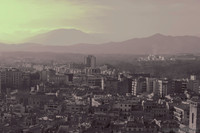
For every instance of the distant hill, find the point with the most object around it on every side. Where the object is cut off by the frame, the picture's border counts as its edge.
(156, 44)
(66, 37)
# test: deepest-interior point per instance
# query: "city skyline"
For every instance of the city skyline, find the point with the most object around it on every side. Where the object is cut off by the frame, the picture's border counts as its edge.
(99, 66)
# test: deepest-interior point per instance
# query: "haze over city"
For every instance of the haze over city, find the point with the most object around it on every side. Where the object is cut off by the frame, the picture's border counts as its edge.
(99, 66)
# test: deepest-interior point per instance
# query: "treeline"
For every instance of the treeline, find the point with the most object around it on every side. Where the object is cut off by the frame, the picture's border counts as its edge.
(169, 69)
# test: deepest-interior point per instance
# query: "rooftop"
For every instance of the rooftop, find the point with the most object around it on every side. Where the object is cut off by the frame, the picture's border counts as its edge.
(182, 106)
(195, 99)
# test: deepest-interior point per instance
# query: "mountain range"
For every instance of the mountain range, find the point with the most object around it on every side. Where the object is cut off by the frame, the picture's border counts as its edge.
(67, 37)
(59, 40)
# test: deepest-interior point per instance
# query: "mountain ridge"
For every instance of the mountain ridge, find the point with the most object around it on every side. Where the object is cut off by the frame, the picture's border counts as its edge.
(66, 37)
(155, 44)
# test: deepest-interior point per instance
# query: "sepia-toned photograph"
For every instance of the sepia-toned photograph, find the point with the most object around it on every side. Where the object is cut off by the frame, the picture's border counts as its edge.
(99, 66)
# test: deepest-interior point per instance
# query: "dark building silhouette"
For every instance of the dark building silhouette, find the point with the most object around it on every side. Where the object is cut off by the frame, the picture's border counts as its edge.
(90, 61)
(11, 78)
(179, 86)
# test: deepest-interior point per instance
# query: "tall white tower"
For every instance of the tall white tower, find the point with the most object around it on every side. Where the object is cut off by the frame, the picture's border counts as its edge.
(194, 118)
(102, 83)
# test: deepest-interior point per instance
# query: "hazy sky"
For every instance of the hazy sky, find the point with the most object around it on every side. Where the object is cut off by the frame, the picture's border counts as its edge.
(116, 19)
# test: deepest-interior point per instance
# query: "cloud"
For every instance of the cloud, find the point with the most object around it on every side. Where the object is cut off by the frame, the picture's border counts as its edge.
(118, 19)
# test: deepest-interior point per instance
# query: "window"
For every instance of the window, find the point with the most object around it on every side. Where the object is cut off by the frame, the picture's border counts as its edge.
(192, 117)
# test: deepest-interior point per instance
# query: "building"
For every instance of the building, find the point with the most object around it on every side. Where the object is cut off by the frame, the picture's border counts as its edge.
(11, 78)
(163, 88)
(154, 110)
(125, 86)
(0, 83)
(193, 84)
(181, 113)
(70, 77)
(45, 75)
(92, 71)
(151, 84)
(121, 77)
(141, 126)
(26, 81)
(94, 81)
(111, 84)
(194, 119)
(90, 61)
(55, 78)
(158, 89)
(134, 90)
(126, 106)
(139, 86)
(179, 86)
(52, 108)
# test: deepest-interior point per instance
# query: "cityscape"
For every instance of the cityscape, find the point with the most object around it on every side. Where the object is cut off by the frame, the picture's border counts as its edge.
(86, 98)
(99, 66)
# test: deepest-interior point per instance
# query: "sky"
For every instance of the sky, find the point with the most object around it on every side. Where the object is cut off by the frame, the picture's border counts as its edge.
(116, 19)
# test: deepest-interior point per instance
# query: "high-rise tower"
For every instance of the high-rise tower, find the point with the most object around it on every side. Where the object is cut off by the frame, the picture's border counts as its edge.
(90, 61)
(194, 118)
